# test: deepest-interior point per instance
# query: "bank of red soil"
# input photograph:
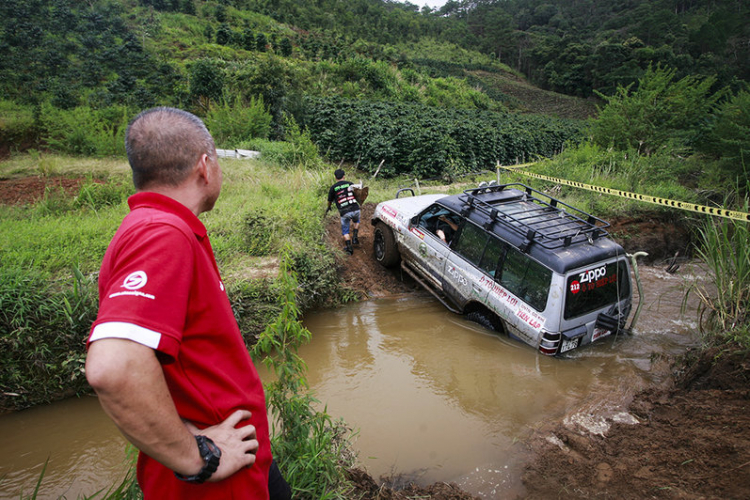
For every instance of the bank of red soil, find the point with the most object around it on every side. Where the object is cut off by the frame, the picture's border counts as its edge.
(32, 189)
(692, 441)
(692, 436)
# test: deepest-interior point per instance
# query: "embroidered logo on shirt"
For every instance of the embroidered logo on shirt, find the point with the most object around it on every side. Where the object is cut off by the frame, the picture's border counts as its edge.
(133, 282)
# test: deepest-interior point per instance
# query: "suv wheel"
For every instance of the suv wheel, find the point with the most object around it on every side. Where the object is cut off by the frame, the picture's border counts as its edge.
(487, 320)
(384, 246)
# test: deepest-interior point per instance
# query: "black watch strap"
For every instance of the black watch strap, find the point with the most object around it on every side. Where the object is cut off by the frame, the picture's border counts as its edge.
(210, 453)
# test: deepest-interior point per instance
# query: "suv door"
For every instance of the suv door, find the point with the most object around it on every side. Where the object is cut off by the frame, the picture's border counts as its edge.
(427, 251)
(472, 266)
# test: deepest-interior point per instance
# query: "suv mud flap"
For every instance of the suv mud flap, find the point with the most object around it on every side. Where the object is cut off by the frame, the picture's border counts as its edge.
(442, 298)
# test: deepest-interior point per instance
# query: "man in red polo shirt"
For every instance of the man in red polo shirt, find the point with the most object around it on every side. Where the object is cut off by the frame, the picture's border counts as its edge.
(165, 354)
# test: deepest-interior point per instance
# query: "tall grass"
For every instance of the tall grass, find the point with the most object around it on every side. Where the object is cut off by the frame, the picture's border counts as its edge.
(44, 326)
(725, 249)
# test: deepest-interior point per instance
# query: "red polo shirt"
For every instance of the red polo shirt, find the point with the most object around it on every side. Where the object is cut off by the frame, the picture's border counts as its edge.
(159, 285)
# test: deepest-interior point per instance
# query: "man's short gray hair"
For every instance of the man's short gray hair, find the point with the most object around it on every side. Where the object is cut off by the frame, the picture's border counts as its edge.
(163, 144)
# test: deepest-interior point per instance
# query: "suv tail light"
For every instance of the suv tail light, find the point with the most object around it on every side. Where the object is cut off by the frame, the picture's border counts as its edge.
(549, 343)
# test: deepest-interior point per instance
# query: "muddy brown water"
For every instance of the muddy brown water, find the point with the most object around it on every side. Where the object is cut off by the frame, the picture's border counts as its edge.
(431, 397)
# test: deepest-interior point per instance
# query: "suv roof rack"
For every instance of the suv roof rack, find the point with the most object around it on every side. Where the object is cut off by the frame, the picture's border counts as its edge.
(550, 224)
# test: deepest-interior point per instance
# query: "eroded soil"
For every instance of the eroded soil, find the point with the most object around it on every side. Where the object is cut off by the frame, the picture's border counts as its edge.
(688, 438)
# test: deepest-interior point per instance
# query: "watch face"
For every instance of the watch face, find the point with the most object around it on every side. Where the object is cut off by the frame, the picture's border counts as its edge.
(213, 448)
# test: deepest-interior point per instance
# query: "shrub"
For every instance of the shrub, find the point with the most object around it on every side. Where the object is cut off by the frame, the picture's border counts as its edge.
(659, 114)
(307, 443)
(84, 131)
(231, 124)
(425, 141)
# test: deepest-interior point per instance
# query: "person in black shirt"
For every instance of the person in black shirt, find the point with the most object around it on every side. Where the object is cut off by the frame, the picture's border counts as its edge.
(343, 194)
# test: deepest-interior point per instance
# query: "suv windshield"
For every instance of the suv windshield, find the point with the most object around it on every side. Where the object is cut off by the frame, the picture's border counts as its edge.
(596, 288)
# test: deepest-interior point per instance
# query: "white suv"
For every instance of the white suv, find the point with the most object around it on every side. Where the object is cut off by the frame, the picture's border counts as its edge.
(513, 260)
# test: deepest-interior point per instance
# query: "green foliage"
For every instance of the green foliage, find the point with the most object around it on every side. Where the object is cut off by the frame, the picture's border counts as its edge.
(231, 124)
(728, 138)
(206, 81)
(725, 310)
(255, 306)
(319, 283)
(85, 131)
(661, 114)
(259, 231)
(423, 141)
(43, 328)
(599, 46)
(307, 443)
(18, 126)
(298, 150)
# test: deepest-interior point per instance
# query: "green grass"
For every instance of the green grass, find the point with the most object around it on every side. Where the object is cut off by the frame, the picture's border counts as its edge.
(725, 298)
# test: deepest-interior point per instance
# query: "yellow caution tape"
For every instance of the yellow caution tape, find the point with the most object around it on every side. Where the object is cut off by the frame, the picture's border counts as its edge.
(730, 214)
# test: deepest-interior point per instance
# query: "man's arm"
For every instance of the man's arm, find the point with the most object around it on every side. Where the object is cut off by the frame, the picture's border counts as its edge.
(130, 384)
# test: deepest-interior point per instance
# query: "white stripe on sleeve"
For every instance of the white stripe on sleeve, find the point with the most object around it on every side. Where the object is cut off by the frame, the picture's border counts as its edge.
(120, 330)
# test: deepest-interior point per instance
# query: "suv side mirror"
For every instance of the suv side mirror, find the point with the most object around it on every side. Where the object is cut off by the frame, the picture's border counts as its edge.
(414, 221)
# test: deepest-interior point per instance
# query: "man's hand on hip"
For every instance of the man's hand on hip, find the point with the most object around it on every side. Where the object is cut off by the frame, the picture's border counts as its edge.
(238, 445)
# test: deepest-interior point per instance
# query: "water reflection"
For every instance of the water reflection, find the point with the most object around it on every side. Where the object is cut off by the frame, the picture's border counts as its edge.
(80, 447)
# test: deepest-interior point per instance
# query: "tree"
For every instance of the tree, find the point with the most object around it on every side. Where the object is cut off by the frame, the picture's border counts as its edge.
(728, 137)
(223, 34)
(285, 47)
(248, 39)
(261, 42)
(206, 82)
(659, 114)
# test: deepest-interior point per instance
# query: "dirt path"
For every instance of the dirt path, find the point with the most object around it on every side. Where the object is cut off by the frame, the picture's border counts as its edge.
(688, 438)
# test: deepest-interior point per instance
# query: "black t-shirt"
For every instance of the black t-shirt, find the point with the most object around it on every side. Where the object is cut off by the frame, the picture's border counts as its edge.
(343, 194)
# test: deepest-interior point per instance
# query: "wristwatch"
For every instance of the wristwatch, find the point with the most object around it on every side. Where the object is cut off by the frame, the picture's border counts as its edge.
(210, 453)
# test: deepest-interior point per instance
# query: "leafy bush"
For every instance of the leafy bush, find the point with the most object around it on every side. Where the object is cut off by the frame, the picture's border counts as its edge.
(308, 444)
(18, 128)
(298, 150)
(206, 81)
(84, 131)
(231, 124)
(660, 114)
(728, 138)
(255, 306)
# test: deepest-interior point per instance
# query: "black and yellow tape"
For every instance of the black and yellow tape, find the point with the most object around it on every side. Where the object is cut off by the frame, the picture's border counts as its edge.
(720, 212)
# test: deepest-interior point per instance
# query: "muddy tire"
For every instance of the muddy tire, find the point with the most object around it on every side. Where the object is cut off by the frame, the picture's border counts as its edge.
(384, 246)
(486, 319)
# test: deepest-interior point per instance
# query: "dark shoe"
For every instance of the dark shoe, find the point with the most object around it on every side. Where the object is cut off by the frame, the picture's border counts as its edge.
(355, 237)
(348, 249)
(355, 241)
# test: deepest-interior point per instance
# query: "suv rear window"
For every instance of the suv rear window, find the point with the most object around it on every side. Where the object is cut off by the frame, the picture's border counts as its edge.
(525, 278)
(515, 271)
(596, 288)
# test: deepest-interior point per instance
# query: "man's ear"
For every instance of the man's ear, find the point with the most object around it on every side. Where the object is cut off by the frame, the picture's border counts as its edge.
(202, 167)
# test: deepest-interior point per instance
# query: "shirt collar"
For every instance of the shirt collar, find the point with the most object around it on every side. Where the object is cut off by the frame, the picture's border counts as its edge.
(166, 204)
